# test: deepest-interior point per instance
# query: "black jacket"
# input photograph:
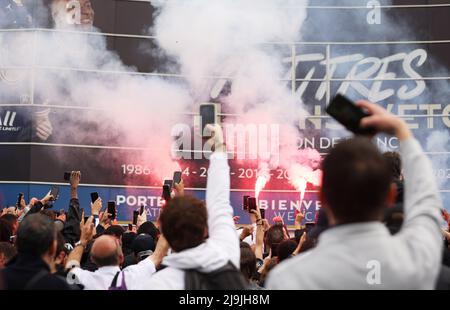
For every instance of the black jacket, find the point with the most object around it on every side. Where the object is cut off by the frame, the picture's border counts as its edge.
(71, 231)
(31, 273)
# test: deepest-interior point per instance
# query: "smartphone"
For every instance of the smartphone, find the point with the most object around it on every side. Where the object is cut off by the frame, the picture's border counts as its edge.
(177, 177)
(251, 204)
(245, 203)
(54, 192)
(130, 227)
(141, 210)
(169, 183)
(135, 217)
(209, 114)
(348, 114)
(263, 213)
(94, 196)
(19, 199)
(112, 209)
(166, 192)
(67, 176)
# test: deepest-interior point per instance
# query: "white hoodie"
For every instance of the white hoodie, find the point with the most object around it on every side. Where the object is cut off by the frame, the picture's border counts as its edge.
(222, 245)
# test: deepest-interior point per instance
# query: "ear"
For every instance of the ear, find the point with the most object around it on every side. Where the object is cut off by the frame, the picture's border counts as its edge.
(392, 195)
(121, 259)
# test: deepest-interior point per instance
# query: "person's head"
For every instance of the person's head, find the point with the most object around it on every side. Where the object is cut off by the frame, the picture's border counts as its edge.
(115, 231)
(274, 236)
(49, 213)
(7, 252)
(127, 240)
(75, 13)
(285, 249)
(6, 230)
(248, 263)
(394, 162)
(143, 246)
(150, 229)
(12, 219)
(106, 251)
(36, 236)
(184, 223)
(61, 250)
(356, 182)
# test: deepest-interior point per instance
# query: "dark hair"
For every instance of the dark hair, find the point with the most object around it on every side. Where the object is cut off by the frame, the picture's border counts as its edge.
(35, 235)
(248, 263)
(51, 214)
(394, 162)
(60, 244)
(356, 181)
(285, 249)
(127, 240)
(150, 229)
(274, 235)
(8, 251)
(245, 245)
(11, 218)
(114, 230)
(184, 221)
(6, 230)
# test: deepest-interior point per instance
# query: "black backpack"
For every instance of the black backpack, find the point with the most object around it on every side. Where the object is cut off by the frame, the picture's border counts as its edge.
(226, 278)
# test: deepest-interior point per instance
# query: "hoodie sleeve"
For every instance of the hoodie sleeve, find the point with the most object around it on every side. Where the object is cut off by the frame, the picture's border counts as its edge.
(222, 232)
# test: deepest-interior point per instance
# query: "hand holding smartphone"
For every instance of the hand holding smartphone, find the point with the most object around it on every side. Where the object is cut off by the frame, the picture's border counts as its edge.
(349, 114)
(112, 209)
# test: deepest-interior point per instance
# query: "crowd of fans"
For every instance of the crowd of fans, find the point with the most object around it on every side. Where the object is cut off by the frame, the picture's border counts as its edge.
(380, 227)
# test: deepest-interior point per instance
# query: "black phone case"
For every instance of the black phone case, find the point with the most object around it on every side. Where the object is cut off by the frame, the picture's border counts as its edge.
(348, 114)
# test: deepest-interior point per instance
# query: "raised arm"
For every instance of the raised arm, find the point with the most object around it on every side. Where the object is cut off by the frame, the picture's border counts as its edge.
(222, 231)
(421, 234)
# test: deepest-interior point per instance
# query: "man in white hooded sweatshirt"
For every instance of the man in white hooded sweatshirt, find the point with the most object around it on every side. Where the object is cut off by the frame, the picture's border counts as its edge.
(201, 238)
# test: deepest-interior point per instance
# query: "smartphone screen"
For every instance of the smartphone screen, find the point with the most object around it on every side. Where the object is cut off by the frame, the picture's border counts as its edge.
(166, 192)
(263, 213)
(135, 217)
(251, 204)
(169, 183)
(67, 176)
(94, 197)
(19, 199)
(348, 114)
(245, 203)
(112, 208)
(177, 177)
(54, 192)
(207, 115)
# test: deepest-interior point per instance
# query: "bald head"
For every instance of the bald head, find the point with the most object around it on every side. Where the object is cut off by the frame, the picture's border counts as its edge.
(106, 251)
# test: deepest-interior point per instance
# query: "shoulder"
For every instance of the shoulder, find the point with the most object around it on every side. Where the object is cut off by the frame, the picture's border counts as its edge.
(166, 279)
(289, 271)
(51, 282)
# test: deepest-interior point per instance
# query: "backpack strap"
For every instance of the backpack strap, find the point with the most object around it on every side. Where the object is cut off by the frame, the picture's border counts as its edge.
(114, 281)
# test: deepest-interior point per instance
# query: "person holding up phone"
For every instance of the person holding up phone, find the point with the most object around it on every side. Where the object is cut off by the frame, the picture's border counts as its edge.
(357, 251)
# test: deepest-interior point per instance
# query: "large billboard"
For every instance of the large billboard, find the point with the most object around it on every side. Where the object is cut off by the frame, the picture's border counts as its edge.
(103, 94)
